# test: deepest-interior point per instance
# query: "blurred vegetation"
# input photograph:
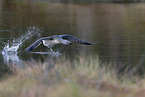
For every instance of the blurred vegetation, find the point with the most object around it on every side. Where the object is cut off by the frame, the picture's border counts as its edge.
(83, 1)
(96, 1)
(81, 77)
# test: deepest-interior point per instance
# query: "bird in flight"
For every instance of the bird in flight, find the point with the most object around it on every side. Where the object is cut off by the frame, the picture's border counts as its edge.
(57, 39)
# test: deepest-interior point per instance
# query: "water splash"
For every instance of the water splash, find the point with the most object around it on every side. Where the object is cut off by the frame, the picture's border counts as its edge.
(12, 47)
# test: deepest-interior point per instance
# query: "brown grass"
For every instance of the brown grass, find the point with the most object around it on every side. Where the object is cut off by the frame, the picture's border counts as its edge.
(82, 77)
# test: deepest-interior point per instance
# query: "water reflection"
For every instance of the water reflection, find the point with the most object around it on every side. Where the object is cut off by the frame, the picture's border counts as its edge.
(48, 53)
(11, 58)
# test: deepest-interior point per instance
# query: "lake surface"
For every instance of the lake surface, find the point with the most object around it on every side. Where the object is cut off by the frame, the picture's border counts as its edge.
(120, 28)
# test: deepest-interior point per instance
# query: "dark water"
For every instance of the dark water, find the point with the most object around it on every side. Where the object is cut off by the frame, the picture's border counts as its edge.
(120, 28)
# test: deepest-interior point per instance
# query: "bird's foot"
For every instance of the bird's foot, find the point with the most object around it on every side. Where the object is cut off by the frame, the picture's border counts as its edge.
(55, 53)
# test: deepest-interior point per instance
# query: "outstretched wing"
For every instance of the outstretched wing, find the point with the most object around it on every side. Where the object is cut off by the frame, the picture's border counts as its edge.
(73, 39)
(37, 43)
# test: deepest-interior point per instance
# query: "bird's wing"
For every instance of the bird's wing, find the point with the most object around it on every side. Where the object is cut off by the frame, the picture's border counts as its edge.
(37, 43)
(73, 39)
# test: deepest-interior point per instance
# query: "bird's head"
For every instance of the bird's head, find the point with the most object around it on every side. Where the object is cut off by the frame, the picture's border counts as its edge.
(59, 39)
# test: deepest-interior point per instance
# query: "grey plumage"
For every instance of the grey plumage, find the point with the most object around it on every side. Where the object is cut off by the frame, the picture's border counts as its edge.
(57, 39)
(74, 40)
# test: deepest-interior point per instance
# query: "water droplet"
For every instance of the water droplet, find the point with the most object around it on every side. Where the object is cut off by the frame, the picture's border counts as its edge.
(17, 42)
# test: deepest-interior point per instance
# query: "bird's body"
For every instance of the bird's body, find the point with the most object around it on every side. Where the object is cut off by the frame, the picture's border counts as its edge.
(49, 43)
(57, 39)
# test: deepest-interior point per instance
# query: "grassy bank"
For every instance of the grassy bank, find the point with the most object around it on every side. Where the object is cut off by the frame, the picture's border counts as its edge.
(81, 77)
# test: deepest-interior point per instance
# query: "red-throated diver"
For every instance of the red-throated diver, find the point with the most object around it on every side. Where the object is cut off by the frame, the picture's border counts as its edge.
(57, 39)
